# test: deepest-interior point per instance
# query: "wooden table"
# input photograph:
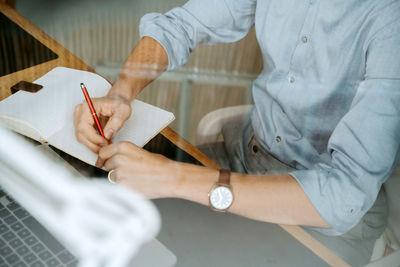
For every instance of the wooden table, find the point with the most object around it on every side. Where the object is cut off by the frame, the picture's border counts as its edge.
(67, 59)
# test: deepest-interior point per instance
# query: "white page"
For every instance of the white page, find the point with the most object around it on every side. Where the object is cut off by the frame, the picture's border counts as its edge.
(21, 126)
(145, 122)
(60, 94)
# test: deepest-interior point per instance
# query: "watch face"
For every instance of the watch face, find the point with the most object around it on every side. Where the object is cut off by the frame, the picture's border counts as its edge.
(221, 198)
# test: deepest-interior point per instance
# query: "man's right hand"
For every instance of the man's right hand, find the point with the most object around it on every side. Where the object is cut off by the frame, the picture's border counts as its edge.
(116, 108)
(147, 61)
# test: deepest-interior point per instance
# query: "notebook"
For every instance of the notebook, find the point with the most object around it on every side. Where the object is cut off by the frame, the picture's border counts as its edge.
(47, 115)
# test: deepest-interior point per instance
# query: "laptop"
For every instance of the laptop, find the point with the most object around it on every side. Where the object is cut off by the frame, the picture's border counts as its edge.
(24, 241)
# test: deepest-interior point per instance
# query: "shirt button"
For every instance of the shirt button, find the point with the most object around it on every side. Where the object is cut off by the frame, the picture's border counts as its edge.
(255, 149)
(291, 79)
(278, 139)
(304, 39)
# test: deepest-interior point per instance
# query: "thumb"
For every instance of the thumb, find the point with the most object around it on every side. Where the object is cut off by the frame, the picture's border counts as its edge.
(115, 123)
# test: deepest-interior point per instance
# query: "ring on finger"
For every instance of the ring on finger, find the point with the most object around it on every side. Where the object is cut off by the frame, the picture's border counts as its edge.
(110, 177)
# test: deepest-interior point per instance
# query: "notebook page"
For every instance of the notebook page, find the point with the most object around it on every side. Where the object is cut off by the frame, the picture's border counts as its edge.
(48, 109)
(145, 122)
(22, 127)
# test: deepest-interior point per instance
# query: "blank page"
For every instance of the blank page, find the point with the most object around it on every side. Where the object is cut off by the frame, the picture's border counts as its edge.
(48, 109)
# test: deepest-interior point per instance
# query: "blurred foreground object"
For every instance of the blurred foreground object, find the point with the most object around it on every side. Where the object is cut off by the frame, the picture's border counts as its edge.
(100, 223)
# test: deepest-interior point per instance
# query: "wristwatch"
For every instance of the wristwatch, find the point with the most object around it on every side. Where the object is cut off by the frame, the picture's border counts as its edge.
(221, 194)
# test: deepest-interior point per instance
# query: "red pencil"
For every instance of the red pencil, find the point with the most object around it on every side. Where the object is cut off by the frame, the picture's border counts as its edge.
(92, 110)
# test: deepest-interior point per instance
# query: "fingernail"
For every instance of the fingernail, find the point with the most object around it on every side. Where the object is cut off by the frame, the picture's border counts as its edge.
(109, 134)
(101, 145)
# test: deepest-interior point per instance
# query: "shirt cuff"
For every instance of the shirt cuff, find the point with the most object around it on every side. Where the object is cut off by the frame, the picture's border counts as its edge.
(162, 29)
(336, 199)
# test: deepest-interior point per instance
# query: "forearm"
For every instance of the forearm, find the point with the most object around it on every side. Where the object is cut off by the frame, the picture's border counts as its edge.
(269, 198)
(146, 62)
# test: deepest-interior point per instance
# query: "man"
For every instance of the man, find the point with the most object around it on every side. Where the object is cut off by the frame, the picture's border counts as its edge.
(325, 129)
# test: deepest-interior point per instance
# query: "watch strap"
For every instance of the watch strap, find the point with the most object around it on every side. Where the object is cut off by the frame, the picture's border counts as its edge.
(224, 177)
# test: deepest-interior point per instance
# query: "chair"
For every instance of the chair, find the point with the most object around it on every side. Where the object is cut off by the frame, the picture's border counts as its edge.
(211, 124)
(391, 237)
(209, 130)
(378, 258)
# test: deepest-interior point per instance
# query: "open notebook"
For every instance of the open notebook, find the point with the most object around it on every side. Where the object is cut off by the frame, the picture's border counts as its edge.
(47, 115)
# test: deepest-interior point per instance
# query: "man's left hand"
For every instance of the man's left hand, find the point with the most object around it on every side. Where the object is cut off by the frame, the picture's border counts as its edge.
(153, 175)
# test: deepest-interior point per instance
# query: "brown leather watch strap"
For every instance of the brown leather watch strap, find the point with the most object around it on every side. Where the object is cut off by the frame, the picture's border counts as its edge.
(224, 177)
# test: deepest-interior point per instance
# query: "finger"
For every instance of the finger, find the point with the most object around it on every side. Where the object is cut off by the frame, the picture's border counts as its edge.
(82, 112)
(77, 114)
(92, 135)
(93, 147)
(110, 164)
(105, 153)
(88, 132)
(83, 123)
(121, 114)
(78, 117)
(115, 162)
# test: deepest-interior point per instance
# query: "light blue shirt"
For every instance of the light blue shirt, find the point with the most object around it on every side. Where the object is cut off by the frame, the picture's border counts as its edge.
(329, 90)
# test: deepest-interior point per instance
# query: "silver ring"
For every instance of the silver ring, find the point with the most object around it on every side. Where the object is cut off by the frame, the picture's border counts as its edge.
(109, 177)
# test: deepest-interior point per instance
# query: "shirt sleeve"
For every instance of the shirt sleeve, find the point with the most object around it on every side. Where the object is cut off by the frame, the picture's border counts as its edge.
(364, 147)
(198, 22)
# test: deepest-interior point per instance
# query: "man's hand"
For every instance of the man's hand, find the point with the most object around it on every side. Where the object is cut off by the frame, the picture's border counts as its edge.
(147, 61)
(153, 175)
(116, 108)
